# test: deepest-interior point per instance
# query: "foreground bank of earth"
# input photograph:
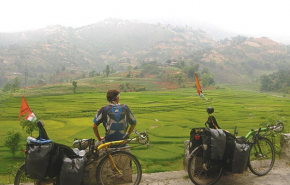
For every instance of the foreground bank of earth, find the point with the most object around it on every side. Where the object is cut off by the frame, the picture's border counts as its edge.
(279, 175)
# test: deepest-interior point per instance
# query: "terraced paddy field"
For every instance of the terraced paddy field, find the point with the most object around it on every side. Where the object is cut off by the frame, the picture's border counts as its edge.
(167, 116)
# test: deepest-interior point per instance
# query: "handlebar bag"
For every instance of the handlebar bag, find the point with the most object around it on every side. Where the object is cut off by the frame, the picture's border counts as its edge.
(239, 159)
(72, 171)
(214, 143)
(37, 159)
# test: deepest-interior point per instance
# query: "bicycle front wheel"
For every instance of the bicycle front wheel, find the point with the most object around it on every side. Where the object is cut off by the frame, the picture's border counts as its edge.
(262, 157)
(203, 171)
(21, 179)
(119, 168)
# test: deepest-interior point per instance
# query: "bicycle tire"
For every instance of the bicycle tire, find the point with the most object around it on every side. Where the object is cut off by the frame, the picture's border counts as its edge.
(203, 171)
(21, 178)
(126, 163)
(262, 157)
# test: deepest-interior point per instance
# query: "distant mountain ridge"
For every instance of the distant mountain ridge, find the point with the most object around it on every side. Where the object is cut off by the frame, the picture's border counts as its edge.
(119, 43)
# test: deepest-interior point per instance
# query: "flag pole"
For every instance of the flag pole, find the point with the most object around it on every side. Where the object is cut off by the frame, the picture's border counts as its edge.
(199, 90)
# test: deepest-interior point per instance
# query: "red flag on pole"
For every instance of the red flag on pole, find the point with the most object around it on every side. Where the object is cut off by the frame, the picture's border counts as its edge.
(24, 108)
(199, 91)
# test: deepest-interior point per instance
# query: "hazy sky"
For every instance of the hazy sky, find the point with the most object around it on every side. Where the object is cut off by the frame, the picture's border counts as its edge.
(256, 17)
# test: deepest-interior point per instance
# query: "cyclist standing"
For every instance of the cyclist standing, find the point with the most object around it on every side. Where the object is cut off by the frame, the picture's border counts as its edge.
(116, 118)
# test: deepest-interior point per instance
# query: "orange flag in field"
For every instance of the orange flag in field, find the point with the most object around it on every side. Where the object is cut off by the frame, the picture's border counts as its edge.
(199, 91)
(24, 108)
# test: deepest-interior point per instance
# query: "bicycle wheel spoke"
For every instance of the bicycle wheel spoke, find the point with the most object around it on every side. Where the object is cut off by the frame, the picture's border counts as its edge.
(262, 157)
(202, 171)
(21, 179)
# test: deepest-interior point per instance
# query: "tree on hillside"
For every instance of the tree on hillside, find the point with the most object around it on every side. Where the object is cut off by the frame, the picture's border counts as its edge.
(16, 83)
(12, 141)
(207, 80)
(129, 69)
(107, 70)
(12, 87)
(205, 70)
(150, 68)
(92, 73)
(278, 81)
(74, 83)
(239, 39)
(190, 72)
(179, 79)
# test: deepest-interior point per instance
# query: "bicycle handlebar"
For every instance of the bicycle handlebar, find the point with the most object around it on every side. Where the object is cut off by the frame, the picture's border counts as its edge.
(142, 139)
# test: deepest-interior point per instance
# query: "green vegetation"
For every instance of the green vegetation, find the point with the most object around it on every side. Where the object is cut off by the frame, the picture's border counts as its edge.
(168, 117)
(278, 81)
(12, 87)
(12, 141)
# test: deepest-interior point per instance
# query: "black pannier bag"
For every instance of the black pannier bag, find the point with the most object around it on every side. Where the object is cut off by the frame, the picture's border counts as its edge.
(195, 139)
(37, 159)
(230, 147)
(60, 151)
(55, 162)
(239, 159)
(72, 171)
(214, 143)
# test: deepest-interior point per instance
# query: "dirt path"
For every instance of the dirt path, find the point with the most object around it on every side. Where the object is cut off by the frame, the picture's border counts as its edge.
(279, 175)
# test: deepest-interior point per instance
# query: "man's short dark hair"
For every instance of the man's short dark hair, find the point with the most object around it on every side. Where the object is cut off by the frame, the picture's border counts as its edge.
(112, 95)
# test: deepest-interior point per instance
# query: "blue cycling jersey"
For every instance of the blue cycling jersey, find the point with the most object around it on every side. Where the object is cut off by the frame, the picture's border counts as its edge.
(116, 119)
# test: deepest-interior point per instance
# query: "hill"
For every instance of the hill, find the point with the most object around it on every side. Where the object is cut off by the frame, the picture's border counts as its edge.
(58, 54)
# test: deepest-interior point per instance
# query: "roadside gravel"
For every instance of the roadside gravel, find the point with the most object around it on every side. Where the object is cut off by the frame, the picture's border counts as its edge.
(279, 175)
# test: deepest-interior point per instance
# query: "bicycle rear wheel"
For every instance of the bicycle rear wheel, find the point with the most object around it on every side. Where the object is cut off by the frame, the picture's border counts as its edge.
(130, 171)
(203, 171)
(21, 179)
(262, 157)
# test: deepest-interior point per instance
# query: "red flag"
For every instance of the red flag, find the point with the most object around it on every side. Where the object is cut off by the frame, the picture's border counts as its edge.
(24, 108)
(199, 91)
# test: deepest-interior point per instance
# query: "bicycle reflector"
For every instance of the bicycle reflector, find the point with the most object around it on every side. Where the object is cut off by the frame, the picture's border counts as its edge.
(197, 137)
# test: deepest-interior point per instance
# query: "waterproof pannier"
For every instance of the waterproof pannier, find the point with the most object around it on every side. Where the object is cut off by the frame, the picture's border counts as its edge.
(195, 139)
(60, 151)
(230, 146)
(37, 158)
(72, 171)
(214, 143)
(55, 162)
(239, 158)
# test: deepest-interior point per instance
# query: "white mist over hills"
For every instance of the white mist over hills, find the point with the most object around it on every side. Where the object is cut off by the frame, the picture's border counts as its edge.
(219, 18)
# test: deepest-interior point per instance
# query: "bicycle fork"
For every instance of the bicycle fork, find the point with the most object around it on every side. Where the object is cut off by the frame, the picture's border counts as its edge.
(258, 150)
(114, 165)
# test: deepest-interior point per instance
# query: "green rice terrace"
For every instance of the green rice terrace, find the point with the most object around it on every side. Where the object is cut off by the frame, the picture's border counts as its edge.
(167, 116)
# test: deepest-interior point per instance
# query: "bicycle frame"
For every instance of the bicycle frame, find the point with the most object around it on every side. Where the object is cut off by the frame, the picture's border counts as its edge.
(253, 132)
(277, 128)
